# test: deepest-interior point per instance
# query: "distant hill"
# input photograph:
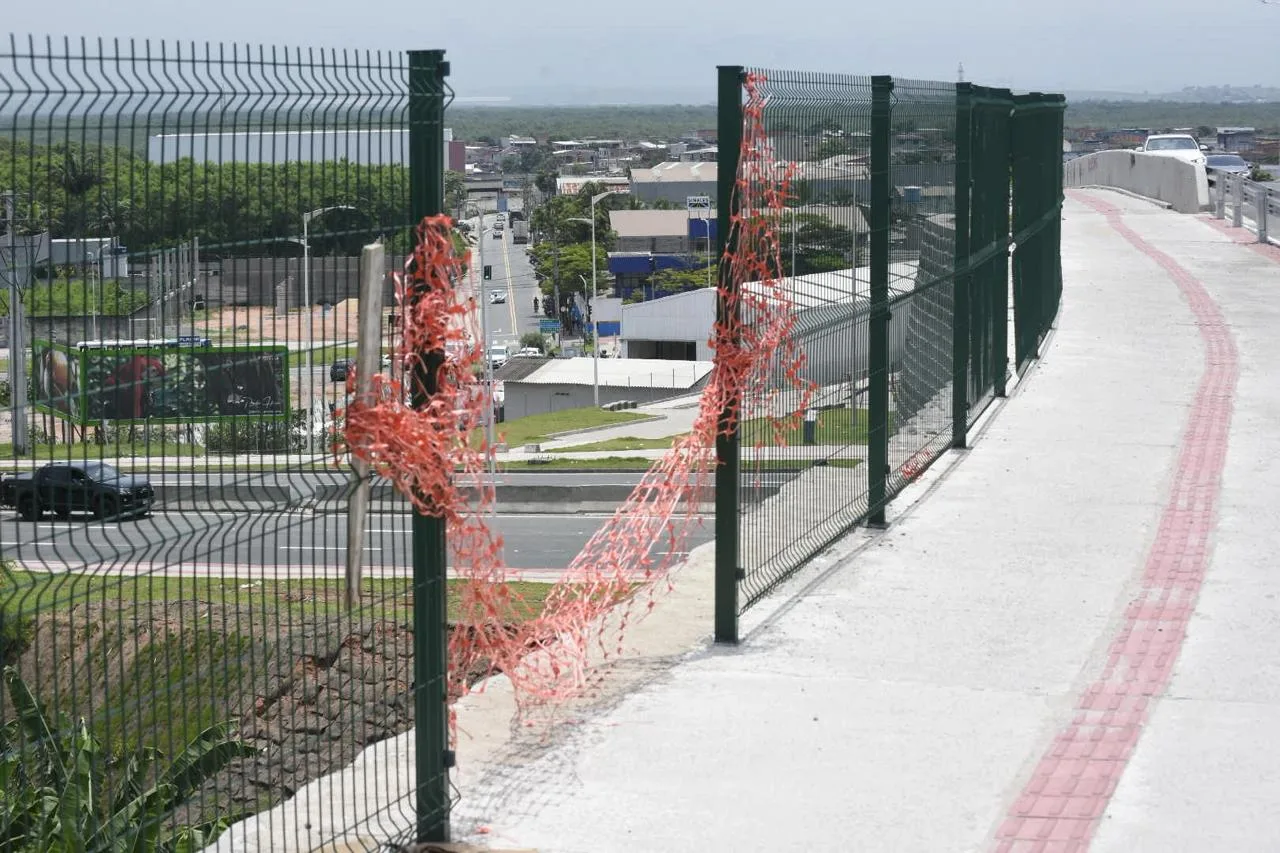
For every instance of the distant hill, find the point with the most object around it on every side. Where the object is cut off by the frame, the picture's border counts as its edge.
(1189, 95)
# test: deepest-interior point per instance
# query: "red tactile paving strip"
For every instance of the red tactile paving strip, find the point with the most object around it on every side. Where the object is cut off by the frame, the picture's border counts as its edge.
(1059, 809)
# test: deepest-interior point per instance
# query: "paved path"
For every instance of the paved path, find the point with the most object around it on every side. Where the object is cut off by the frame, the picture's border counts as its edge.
(1069, 644)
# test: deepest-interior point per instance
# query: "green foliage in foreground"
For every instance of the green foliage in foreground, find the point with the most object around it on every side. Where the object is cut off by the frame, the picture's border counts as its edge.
(55, 796)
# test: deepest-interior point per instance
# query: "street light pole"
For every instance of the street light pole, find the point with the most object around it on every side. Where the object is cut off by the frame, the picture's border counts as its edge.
(595, 324)
(490, 415)
(306, 302)
(793, 243)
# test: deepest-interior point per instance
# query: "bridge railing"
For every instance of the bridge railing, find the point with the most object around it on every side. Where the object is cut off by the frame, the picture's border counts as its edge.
(1248, 204)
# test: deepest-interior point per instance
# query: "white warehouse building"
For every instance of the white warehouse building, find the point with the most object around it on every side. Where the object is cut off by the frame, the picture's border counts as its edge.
(824, 307)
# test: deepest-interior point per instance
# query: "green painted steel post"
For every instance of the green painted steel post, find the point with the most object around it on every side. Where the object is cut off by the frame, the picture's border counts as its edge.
(878, 331)
(1023, 315)
(979, 339)
(727, 523)
(1060, 109)
(960, 301)
(1000, 175)
(433, 758)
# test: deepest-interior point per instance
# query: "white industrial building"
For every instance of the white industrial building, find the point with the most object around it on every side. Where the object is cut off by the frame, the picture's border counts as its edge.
(824, 307)
(104, 256)
(674, 182)
(569, 383)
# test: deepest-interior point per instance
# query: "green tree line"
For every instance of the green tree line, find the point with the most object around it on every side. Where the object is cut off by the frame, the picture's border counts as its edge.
(75, 191)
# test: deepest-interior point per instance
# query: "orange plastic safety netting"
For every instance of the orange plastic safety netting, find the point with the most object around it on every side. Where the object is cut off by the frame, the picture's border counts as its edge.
(434, 456)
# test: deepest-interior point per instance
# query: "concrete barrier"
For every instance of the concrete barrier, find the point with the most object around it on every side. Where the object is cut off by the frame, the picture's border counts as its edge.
(226, 496)
(1167, 179)
(522, 499)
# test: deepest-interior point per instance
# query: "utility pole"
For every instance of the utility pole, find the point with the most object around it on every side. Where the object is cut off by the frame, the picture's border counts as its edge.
(17, 335)
(555, 280)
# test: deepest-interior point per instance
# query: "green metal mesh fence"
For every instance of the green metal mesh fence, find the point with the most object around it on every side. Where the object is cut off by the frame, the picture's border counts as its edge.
(1037, 223)
(184, 227)
(921, 275)
(901, 292)
(805, 489)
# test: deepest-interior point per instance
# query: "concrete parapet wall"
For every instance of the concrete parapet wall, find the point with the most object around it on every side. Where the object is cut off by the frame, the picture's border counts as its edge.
(1168, 179)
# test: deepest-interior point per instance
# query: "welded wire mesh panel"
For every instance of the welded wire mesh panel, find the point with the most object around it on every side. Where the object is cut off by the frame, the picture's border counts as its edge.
(921, 275)
(988, 247)
(803, 478)
(173, 529)
(1036, 205)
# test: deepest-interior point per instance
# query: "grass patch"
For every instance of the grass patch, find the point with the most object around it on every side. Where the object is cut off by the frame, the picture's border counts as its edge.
(25, 594)
(91, 450)
(535, 428)
(835, 426)
(155, 660)
(328, 354)
(628, 442)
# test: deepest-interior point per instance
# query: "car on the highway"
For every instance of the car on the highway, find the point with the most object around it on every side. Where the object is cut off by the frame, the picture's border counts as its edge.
(529, 352)
(1230, 164)
(498, 355)
(497, 297)
(339, 369)
(497, 234)
(63, 488)
(1181, 146)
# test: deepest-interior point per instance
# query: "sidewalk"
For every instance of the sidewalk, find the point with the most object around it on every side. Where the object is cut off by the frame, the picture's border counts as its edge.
(1066, 640)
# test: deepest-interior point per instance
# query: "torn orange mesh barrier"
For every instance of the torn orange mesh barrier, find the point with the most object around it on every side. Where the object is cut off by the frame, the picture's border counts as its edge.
(428, 450)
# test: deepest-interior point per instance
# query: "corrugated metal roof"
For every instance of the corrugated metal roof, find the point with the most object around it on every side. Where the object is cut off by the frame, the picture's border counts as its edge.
(675, 173)
(825, 288)
(518, 368)
(621, 373)
(654, 223)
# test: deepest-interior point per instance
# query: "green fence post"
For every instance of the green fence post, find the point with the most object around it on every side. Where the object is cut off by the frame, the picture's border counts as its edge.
(1045, 161)
(1059, 112)
(979, 192)
(878, 331)
(728, 543)
(1022, 143)
(433, 758)
(1001, 176)
(960, 302)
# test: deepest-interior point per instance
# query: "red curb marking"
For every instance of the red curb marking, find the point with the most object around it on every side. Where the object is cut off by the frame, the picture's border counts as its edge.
(1059, 809)
(1244, 237)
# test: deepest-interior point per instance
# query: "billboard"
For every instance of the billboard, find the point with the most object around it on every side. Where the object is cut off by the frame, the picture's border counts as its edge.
(174, 381)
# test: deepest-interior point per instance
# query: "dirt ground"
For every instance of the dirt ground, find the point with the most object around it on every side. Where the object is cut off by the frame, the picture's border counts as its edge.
(310, 691)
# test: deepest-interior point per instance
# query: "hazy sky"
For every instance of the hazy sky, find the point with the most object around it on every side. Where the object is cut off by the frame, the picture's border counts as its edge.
(659, 51)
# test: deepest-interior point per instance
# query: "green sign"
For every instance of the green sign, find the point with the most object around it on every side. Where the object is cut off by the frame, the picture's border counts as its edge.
(163, 382)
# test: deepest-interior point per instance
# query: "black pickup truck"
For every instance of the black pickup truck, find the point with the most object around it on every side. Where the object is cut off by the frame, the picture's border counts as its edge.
(63, 488)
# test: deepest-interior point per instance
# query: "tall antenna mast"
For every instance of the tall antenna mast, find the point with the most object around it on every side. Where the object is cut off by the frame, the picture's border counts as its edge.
(960, 68)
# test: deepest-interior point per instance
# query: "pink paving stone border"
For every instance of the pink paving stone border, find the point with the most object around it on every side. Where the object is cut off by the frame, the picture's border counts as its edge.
(1059, 808)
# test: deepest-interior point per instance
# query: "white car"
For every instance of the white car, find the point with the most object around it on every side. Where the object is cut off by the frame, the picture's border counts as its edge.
(498, 355)
(497, 297)
(1181, 146)
(530, 352)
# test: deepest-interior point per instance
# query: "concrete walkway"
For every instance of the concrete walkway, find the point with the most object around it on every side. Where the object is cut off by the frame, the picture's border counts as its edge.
(1068, 639)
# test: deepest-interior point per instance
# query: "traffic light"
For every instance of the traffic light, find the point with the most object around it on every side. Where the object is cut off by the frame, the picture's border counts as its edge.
(488, 273)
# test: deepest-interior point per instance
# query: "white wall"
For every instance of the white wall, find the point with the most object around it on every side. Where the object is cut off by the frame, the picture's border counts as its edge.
(1165, 178)
(688, 316)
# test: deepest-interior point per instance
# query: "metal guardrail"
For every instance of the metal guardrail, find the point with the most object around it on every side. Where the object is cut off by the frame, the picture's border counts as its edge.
(1251, 205)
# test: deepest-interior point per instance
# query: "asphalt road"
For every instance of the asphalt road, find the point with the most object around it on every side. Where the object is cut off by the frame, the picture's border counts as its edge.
(307, 480)
(282, 545)
(512, 276)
